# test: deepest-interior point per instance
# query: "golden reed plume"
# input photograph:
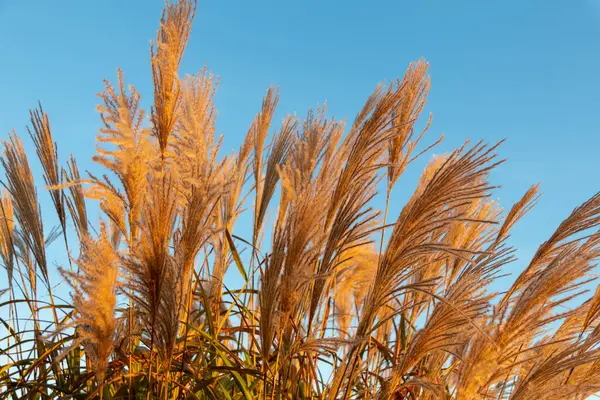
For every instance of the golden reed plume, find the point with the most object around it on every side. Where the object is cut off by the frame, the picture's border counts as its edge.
(281, 271)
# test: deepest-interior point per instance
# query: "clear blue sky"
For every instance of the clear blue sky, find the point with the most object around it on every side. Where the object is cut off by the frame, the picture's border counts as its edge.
(528, 71)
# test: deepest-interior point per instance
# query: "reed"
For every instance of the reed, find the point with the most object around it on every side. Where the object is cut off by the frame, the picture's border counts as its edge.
(324, 295)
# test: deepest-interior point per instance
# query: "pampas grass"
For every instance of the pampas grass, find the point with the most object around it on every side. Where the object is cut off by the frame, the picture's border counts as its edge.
(325, 295)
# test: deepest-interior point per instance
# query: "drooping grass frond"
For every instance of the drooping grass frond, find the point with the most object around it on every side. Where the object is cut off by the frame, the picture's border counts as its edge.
(458, 180)
(549, 379)
(584, 217)
(555, 276)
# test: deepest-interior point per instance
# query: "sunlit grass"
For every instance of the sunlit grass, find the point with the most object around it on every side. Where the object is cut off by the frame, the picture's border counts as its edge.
(326, 297)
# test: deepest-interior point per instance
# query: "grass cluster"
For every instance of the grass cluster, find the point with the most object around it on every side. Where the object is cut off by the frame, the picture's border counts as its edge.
(336, 301)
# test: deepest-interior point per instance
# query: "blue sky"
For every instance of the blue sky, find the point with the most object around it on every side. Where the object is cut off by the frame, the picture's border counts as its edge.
(527, 71)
